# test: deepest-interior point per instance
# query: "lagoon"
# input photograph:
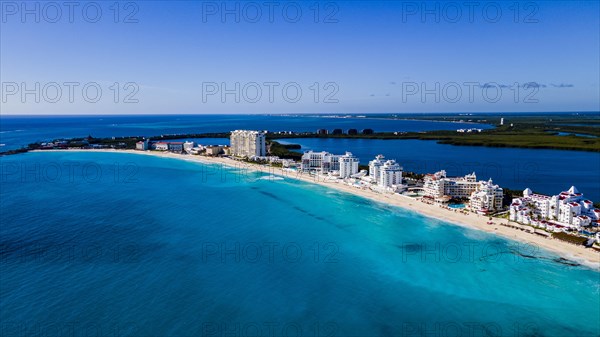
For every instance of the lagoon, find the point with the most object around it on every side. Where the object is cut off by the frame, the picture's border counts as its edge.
(544, 171)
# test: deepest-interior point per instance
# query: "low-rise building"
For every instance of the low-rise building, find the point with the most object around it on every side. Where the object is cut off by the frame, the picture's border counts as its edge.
(160, 146)
(213, 150)
(227, 150)
(142, 145)
(439, 186)
(176, 147)
(322, 162)
(188, 146)
(569, 209)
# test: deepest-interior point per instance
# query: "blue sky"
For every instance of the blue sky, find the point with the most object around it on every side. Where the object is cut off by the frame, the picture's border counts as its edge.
(369, 57)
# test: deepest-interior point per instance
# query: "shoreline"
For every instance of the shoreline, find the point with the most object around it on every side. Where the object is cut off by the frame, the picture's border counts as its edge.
(579, 254)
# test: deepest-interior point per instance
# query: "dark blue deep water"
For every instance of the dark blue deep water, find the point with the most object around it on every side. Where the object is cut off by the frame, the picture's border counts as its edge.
(16, 131)
(544, 171)
(114, 244)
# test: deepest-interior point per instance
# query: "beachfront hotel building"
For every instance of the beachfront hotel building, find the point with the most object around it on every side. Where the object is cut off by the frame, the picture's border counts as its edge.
(375, 168)
(188, 146)
(569, 209)
(213, 150)
(176, 147)
(385, 174)
(248, 143)
(390, 175)
(322, 162)
(487, 198)
(142, 145)
(441, 188)
(160, 146)
(348, 165)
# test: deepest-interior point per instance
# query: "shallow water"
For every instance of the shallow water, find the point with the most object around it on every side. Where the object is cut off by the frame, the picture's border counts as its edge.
(133, 245)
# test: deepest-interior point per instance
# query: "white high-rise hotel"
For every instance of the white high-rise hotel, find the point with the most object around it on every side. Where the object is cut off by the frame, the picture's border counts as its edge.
(247, 143)
(390, 174)
(487, 197)
(348, 165)
(375, 168)
(385, 173)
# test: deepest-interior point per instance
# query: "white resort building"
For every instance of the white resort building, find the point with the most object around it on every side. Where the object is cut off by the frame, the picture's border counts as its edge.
(385, 174)
(188, 146)
(348, 165)
(247, 143)
(484, 196)
(569, 209)
(375, 168)
(160, 146)
(323, 162)
(390, 175)
(440, 187)
(487, 198)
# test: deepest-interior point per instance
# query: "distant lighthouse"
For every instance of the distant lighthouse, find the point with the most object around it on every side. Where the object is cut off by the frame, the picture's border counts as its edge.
(502, 121)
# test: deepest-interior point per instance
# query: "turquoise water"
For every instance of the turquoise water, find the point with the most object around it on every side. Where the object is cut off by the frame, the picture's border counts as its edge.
(129, 245)
(457, 206)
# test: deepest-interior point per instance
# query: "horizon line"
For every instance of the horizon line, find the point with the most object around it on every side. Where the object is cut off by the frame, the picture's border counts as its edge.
(303, 113)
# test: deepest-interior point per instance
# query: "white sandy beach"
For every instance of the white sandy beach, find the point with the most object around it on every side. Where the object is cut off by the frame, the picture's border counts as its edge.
(580, 254)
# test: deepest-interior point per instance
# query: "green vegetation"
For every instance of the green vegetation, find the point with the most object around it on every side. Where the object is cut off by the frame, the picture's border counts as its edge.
(591, 119)
(113, 142)
(577, 240)
(509, 195)
(413, 175)
(283, 151)
(530, 137)
(17, 151)
(513, 193)
(526, 131)
(193, 135)
(123, 143)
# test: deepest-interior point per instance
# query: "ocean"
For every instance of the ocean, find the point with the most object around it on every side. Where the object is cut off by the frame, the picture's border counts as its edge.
(17, 131)
(544, 171)
(115, 244)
